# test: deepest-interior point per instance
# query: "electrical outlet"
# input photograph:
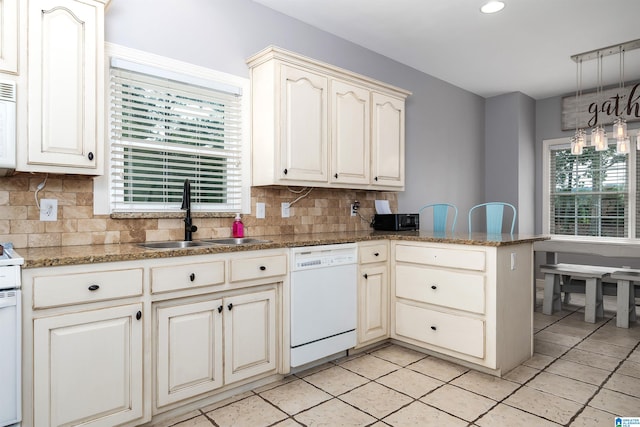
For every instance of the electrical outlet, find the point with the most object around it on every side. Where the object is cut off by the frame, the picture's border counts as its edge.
(354, 207)
(48, 210)
(513, 260)
(260, 210)
(285, 210)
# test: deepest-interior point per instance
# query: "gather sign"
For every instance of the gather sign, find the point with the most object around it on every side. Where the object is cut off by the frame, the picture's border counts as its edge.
(593, 108)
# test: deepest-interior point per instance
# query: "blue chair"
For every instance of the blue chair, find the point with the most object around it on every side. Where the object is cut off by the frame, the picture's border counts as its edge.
(440, 216)
(494, 212)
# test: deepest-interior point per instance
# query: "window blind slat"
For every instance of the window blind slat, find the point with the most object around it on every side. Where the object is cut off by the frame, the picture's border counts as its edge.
(588, 193)
(163, 132)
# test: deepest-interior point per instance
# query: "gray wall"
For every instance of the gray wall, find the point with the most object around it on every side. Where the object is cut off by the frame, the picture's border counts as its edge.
(444, 124)
(509, 155)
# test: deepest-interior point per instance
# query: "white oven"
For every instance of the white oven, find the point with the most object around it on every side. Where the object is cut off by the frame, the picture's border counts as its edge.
(10, 337)
(323, 301)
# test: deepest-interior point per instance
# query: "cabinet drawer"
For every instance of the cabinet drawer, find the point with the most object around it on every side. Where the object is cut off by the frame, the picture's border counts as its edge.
(65, 289)
(373, 253)
(186, 276)
(468, 259)
(458, 333)
(257, 268)
(459, 290)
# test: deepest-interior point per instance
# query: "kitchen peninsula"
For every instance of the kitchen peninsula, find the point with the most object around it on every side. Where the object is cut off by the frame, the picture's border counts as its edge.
(467, 298)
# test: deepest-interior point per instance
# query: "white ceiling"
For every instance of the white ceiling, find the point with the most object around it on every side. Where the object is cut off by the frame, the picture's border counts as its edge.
(526, 47)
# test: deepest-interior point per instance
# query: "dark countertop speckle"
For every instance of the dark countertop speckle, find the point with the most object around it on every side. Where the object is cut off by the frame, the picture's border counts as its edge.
(71, 255)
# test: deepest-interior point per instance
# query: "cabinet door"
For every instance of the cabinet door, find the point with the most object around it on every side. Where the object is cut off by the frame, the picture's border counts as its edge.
(189, 353)
(250, 335)
(64, 79)
(373, 304)
(9, 36)
(88, 367)
(387, 141)
(303, 126)
(350, 134)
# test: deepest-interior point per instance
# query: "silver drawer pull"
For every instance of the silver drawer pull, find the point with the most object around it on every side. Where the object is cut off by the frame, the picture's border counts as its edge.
(94, 287)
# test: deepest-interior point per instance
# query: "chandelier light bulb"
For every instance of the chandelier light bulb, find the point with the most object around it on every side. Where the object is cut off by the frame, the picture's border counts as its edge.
(622, 147)
(576, 148)
(620, 129)
(599, 138)
(581, 138)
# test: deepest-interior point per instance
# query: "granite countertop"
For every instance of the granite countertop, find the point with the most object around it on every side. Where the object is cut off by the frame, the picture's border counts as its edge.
(71, 255)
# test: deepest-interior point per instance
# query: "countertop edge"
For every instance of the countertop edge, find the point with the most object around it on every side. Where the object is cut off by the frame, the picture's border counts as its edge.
(89, 254)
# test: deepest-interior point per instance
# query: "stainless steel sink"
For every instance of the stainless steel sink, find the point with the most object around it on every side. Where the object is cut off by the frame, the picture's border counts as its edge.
(180, 244)
(236, 241)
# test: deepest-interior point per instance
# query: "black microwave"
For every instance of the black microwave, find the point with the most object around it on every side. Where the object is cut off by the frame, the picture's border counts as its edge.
(396, 222)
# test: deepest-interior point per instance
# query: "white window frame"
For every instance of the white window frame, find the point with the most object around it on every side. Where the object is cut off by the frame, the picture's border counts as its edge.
(546, 191)
(185, 72)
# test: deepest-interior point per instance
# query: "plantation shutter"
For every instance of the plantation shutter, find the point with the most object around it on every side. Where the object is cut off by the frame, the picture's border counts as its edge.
(164, 131)
(589, 193)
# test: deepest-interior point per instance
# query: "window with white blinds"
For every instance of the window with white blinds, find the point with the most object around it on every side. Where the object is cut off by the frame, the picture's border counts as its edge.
(163, 131)
(588, 194)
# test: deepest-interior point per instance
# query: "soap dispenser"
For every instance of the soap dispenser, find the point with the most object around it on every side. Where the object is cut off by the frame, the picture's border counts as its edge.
(238, 227)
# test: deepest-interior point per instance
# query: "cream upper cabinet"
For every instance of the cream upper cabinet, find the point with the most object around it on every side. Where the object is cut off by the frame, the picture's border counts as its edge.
(313, 125)
(387, 141)
(65, 80)
(303, 131)
(9, 36)
(289, 114)
(350, 134)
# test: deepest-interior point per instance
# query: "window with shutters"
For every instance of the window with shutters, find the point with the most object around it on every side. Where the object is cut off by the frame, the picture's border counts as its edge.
(590, 195)
(168, 122)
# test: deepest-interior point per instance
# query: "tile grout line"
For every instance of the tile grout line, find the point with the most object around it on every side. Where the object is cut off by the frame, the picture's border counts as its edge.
(335, 363)
(583, 406)
(601, 386)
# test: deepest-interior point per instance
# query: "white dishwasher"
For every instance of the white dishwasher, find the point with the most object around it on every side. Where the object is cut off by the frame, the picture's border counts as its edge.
(323, 301)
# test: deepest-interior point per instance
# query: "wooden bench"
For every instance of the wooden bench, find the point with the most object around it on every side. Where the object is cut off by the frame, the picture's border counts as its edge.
(592, 276)
(626, 280)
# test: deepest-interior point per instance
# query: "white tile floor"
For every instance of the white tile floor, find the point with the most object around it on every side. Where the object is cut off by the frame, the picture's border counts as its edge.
(580, 375)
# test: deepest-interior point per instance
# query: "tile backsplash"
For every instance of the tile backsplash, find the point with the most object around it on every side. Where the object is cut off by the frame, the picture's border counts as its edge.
(322, 210)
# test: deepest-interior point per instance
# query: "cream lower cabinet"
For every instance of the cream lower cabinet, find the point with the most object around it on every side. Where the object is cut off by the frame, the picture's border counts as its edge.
(88, 367)
(190, 352)
(204, 345)
(83, 361)
(373, 292)
(471, 303)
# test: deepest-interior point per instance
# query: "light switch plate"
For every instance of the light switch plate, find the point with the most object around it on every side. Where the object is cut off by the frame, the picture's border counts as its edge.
(48, 210)
(260, 210)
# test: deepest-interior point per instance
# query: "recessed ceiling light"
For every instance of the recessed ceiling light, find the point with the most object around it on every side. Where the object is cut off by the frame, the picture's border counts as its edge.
(492, 7)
